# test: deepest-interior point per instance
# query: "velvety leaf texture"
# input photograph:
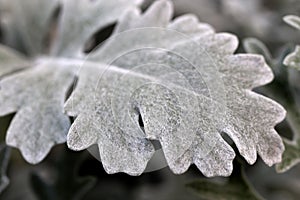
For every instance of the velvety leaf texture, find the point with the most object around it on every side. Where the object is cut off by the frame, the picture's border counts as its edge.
(178, 76)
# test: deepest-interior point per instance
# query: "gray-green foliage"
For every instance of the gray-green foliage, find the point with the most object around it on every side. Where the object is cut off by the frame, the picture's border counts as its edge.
(291, 156)
(234, 188)
(38, 93)
(179, 75)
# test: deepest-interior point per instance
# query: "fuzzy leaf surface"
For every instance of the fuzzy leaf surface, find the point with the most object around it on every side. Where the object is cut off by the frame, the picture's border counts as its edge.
(178, 76)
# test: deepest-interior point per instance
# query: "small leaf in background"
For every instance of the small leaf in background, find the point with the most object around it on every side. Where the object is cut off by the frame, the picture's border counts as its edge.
(292, 20)
(293, 59)
(253, 45)
(290, 157)
(4, 158)
(236, 187)
(256, 46)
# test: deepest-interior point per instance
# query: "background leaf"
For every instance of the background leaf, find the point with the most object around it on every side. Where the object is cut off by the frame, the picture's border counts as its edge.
(293, 59)
(67, 183)
(292, 20)
(26, 24)
(4, 158)
(234, 188)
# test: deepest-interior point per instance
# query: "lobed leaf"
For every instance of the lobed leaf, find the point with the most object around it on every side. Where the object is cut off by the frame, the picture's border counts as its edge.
(248, 118)
(178, 76)
(290, 157)
(37, 94)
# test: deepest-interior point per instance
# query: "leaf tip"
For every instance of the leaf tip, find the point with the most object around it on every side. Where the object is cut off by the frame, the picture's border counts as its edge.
(292, 20)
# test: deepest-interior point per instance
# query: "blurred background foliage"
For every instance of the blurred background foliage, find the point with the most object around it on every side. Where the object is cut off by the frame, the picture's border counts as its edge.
(77, 175)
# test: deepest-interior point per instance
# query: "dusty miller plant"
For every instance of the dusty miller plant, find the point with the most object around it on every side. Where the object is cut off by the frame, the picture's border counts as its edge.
(180, 77)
